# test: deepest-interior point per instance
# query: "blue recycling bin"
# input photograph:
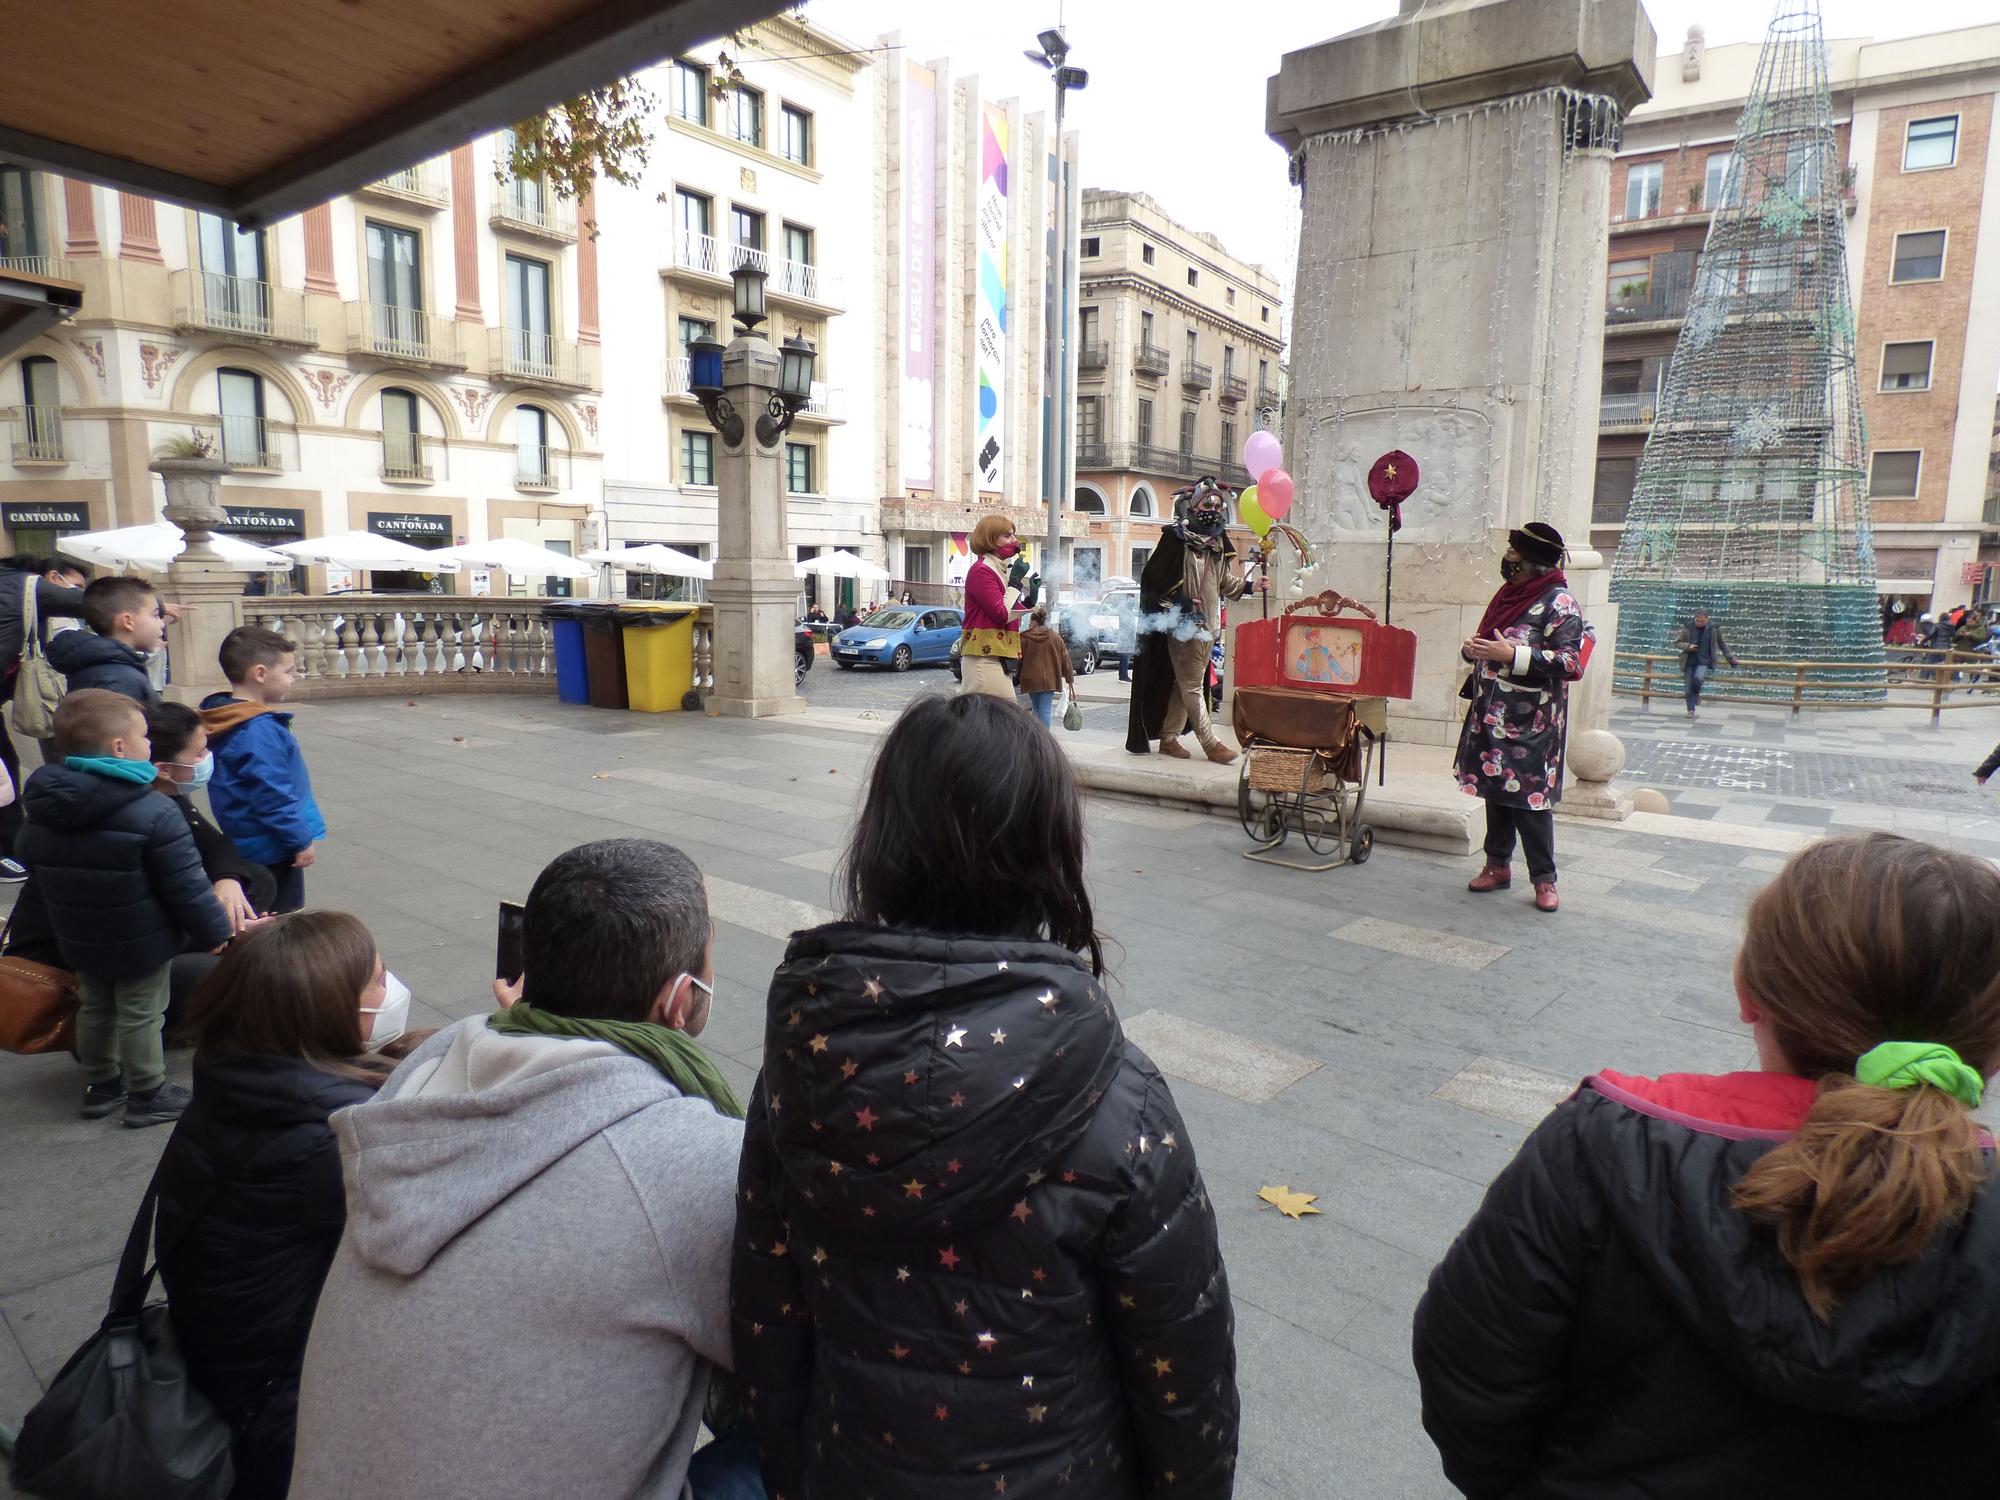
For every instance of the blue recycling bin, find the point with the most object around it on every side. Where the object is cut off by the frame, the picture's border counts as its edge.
(572, 675)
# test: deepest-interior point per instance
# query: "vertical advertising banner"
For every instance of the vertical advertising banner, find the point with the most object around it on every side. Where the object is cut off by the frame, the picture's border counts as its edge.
(991, 352)
(919, 286)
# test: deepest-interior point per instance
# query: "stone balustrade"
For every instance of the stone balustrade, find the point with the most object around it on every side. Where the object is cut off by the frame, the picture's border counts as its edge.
(360, 645)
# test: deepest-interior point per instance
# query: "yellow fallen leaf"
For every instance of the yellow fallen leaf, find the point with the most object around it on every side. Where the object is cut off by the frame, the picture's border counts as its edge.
(1292, 1205)
(600, 775)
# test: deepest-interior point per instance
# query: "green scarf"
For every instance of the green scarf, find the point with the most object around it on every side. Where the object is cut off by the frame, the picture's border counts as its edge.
(674, 1054)
(142, 771)
(681, 1061)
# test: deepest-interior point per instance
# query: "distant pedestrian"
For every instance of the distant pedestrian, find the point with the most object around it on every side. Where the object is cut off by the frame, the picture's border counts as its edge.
(1128, 634)
(1701, 642)
(1045, 665)
(1776, 1282)
(992, 633)
(1939, 631)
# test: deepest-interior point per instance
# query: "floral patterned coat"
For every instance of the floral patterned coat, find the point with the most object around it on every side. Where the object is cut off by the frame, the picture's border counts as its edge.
(1511, 749)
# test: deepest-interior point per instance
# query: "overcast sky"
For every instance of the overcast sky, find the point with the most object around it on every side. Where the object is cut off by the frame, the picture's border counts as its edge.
(1175, 106)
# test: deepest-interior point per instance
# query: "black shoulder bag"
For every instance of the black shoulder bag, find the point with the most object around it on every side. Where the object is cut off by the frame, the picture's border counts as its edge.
(122, 1419)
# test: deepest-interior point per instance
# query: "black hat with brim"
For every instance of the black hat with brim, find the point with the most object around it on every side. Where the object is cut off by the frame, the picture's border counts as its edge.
(1538, 542)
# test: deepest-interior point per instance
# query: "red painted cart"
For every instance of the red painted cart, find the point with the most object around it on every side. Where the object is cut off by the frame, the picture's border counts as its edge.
(1310, 709)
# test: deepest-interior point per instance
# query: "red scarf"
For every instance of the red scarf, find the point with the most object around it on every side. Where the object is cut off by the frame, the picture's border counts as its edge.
(1514, 599)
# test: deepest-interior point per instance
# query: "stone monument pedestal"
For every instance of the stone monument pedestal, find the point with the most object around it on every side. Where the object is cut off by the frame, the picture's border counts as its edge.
(1455, 164)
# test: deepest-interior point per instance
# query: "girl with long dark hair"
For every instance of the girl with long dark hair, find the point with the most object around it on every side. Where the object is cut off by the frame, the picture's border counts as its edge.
(251, 1202)
(1775, 1283)
(973, 1245)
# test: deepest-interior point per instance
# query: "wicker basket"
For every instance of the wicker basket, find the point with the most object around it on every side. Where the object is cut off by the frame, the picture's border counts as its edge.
(1274, 769)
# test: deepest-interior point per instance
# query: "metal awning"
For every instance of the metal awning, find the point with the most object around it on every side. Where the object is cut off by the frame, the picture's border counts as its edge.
(32, 304)
(259, 109)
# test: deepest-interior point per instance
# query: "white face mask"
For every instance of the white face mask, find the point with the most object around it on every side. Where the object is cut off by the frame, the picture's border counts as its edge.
(391, 1018)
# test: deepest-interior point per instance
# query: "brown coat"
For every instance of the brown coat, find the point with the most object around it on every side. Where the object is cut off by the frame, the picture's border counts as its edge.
(1044, 661)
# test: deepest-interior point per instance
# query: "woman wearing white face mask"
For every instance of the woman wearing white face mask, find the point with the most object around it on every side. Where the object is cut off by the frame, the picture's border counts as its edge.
(251, 1205)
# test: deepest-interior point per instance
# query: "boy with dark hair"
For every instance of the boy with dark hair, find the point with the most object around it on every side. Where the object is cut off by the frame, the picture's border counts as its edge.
(260, 791)
(126, 628)
(125, 891)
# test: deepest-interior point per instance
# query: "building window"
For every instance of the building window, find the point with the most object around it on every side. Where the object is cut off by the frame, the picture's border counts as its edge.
(531, 447)
(1802, 171)
(746, 230)
(798, 135)
(1631, 282)
(20, 222)
(1142, 504)
(696, 214)
(41, 409)
(1229, 442)
(1089, 503)
(229, 251)
(697, 458)
(241, 398)
(1140, 556)
(1089, 249)
(798, 244)
(1229, 296)
(1145, 424)
(1715, 183)
(749, 117)
(1907, 367)
(1263, 374)
(917, 564)
(396, 283)
(1087, 326)
(1228, 367)
(1193, 345)
(1642, 190)
(1893, 473)
(1194, 277)
(402, 437)
(1613, 497)
(695, 328)
(1919, 256)
(1931, 143)
(691, 92)
(39, 389)
(1145, 328)
(529, 340)
(1264, 313)
(1187, 430)
(799, 469)
(1146, 254)
(1089, 422)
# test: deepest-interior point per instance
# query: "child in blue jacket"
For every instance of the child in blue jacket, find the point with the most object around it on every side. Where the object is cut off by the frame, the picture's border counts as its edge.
(260, 792)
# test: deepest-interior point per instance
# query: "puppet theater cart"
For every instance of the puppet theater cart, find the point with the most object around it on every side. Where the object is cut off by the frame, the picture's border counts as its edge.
(1311, 711)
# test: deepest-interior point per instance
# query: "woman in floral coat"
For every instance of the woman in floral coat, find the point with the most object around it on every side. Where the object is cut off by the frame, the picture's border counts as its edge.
(1530, 646)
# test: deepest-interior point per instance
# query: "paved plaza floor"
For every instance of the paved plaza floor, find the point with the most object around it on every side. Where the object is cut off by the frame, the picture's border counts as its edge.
(1375, 1035)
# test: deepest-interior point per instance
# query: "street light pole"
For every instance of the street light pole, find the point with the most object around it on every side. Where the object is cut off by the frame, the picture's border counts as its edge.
(1053, 54)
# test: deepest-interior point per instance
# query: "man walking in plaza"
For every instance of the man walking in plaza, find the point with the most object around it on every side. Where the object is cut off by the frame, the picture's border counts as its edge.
(532, 1292)
(1701, 642)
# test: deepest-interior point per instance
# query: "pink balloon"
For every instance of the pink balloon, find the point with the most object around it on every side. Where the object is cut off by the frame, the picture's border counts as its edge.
(1274, 493)
(1261, 452)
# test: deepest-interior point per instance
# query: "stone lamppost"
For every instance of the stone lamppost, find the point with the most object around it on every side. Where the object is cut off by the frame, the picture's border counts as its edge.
(209, 592)
(750, 392)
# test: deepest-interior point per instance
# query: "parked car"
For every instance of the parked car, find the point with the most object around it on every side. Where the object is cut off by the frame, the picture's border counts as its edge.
(899, 638)
(802, 652)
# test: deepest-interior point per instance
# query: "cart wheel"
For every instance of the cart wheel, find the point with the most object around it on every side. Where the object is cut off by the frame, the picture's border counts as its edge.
(1364, 845)
(1266, 823)
(1322, 817)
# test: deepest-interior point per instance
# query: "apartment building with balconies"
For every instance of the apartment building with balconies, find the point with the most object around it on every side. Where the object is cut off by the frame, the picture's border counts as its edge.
(1178, 352)
(767, 159)
(1914, 122)
(417, 359)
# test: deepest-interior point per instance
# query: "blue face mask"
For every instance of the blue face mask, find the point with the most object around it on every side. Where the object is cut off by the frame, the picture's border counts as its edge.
(197, 774)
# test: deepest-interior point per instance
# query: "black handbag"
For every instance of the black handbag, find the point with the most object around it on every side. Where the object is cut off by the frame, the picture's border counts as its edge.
(122, 1419)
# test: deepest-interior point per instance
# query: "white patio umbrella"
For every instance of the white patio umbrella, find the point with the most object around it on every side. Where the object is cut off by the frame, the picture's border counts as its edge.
(151, 549)
(654, 557)
(516, 558)
(367, 551)
(842, 564)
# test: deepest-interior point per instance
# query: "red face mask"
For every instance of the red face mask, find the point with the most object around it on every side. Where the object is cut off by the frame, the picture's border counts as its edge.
(1007, 549)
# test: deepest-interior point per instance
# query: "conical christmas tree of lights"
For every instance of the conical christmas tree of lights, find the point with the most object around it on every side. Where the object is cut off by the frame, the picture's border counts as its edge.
(1750, 500)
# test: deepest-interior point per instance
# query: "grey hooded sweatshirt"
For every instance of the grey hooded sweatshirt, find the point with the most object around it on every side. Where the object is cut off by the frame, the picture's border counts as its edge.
(533, 1282)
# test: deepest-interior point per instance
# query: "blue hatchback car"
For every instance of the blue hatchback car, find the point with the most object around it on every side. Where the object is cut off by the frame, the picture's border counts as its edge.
(900, 638)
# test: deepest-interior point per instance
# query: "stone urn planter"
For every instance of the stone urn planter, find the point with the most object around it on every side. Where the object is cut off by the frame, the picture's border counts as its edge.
(193, 483)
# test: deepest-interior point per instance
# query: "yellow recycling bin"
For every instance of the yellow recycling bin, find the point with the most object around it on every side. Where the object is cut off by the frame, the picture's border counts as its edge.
(659, 655)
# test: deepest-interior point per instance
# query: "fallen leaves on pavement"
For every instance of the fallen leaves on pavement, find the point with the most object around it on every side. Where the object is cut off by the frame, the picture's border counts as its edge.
(1292, 1205)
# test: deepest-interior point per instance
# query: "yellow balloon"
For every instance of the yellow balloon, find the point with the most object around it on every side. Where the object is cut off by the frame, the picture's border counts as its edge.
(1253, 513)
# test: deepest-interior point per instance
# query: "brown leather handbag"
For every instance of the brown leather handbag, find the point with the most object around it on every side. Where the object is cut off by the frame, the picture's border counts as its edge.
(37, 1006)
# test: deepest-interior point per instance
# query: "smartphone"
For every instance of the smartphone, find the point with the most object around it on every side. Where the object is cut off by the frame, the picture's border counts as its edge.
(509, 960)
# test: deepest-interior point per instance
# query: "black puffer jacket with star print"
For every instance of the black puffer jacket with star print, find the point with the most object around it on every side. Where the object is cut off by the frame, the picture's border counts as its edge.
(974, 1255)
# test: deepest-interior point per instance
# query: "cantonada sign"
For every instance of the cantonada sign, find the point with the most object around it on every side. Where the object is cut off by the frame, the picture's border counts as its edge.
(410, 526)
(46, 514)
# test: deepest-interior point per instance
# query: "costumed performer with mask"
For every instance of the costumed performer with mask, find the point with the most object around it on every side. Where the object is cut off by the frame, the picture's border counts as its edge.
(1528, 649)
(1180, 611)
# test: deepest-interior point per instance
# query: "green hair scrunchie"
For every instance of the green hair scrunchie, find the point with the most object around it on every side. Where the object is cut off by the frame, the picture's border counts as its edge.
(1904, 1065)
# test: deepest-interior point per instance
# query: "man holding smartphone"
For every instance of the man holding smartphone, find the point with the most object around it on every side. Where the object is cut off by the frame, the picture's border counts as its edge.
(542, 1201)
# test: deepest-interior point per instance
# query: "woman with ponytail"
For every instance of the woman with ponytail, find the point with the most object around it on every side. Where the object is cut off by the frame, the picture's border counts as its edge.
(1775, 1283)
